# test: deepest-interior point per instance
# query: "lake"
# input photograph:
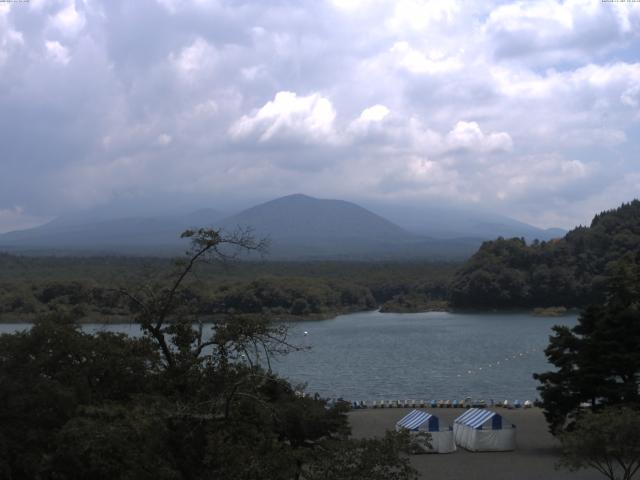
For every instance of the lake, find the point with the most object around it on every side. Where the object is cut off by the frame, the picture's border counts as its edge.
(436, 355)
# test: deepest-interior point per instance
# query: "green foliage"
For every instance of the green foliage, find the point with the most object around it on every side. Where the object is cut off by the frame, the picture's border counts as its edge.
(608, 441)
(412, 303)
(570, 272)
(32, 286)
(75, 406)
(49, 372)
(286, 297)
(114, 441)
(366, 459)
(598, 360)
(179, 403)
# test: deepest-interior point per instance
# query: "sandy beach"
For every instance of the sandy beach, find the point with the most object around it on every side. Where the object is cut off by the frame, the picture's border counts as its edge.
(534, 458)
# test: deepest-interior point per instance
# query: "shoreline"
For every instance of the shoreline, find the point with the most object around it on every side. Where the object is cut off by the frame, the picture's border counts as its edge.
(535, 457)
(29, 319)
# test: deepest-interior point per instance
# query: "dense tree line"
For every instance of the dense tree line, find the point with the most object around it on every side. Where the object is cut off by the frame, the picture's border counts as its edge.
(571, 271)
(178, 403)
(279, 297)
(31, 286)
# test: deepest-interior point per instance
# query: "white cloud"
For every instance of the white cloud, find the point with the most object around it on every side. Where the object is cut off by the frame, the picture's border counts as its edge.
(57, 52)
(568, 31)
(10, 39)
(68, 20)
(417, 62)
(421, 14)
(164, 139)
(376, 113)
(468, 136)
(369, 120)
(521, 106)
(307, 118)
(197, 57)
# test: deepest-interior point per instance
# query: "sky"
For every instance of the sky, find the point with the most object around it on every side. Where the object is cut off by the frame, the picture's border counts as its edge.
(528, 109)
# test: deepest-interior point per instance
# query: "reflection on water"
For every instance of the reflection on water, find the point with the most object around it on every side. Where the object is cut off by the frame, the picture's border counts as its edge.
(376, 355)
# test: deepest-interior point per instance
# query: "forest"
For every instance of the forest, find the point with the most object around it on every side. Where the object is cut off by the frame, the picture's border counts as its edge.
(177, 403)
(504, 274)
(91, 287)
(569, 272)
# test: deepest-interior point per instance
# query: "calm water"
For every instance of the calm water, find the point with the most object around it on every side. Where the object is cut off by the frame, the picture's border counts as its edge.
(376, 355)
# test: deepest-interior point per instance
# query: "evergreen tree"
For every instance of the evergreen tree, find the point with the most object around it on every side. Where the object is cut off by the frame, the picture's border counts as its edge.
(598, 360)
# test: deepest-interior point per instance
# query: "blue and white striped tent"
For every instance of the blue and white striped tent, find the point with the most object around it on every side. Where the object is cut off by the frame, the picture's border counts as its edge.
(419, 421)
(477, 417)
(482, 430)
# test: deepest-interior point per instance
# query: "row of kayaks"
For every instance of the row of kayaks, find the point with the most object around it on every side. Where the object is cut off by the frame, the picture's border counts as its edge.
(438, 404)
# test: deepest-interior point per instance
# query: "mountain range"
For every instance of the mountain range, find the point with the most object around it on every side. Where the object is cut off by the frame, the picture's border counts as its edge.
(298, 227)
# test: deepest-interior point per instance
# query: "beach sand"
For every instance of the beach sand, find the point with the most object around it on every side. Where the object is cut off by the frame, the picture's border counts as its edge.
(534, 458)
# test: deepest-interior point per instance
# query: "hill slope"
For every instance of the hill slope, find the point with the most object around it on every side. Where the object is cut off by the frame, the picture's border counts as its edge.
(303, 227)
(136, 235)
(444, 222)
(301, 216)
(568, 272)
(299, 227)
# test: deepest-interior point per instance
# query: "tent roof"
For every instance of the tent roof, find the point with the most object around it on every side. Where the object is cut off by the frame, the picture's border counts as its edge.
(475, 417)
(414, 419)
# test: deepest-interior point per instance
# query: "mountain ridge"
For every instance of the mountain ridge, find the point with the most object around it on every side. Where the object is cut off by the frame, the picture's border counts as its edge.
(298, 225)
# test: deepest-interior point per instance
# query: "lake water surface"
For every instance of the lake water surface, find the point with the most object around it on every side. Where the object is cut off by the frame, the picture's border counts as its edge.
(434, 355)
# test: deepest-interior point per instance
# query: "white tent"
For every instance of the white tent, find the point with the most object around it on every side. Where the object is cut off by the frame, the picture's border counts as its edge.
(482, 430)
(420, 422)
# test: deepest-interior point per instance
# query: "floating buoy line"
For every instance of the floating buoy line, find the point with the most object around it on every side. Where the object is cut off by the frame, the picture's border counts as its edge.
(499, 363)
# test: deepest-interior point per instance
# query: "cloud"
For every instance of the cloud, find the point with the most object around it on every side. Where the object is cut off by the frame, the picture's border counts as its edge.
(57, 52)
(527, 108)
(16, 218)
(417, 62)
(193, 59)
(10, 39)
(468, 136)
(68, 20)
(376, 113)
(567, 31)
(164, 139)
(307, 119)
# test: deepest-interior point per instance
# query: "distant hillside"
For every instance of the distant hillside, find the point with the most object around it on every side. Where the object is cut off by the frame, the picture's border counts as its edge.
(137, 235)
(304, 227)
(565, 272)
(304, 217)
(443, 222)
(299, 227)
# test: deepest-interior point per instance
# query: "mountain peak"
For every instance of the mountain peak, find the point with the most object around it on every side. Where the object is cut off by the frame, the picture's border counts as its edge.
(296, 196)
(300, 215)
